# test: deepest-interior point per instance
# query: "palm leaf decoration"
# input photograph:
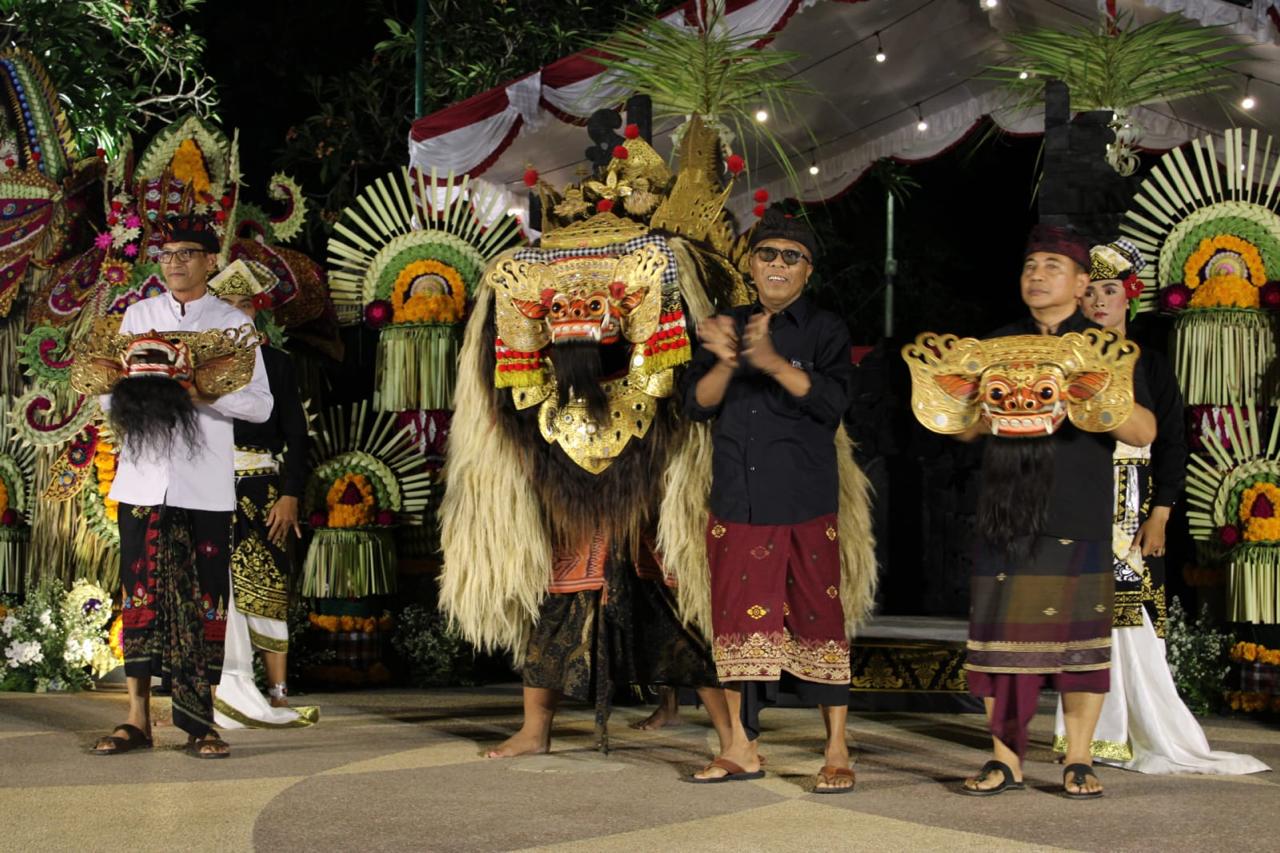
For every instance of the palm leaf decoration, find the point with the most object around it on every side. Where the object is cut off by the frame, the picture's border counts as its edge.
(1115, 67)
(708, 72)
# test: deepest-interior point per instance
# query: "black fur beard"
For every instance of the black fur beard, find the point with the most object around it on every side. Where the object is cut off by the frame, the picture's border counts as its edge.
(622, 500)
(153, 415)
(579, 369)
(1017, 477)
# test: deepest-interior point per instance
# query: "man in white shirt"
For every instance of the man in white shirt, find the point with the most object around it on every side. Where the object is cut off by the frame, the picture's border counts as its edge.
(175, 515)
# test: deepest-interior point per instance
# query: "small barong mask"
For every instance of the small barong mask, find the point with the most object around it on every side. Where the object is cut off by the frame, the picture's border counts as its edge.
(1023, 385)
(216, 361)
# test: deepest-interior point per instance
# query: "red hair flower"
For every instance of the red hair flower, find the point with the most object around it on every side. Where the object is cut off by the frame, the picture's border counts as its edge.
(735, 164)
(761, 195)
(604, 205)
(1133, 286)
(261, 302)
(758, 210)
(620, 152)
(530, 178)
(632, 131)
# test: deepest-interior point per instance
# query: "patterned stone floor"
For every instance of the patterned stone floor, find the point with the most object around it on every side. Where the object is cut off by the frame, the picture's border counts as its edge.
(402, 770)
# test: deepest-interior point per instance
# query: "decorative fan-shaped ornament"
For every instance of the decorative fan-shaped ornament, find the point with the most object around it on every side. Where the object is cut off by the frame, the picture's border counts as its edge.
(366, 477)
(406, 258)
(1233, 506)
(1211, 236)
(17, 466)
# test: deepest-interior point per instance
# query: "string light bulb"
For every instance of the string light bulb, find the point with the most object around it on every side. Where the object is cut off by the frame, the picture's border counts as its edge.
(880, 54)
(1023, 75)
(813, 169)
(1248, 102)
(990, 4)
(921, 125)
(762, 115)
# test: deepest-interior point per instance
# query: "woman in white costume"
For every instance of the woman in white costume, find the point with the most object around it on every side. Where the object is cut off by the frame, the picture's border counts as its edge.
(1144, 724)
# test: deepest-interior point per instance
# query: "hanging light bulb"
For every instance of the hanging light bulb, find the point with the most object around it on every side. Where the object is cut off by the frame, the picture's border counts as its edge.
(1023, 75)
(762, 115)
(880, 54)
(1248, 102)
(990, 4)
(921, 125)
(813, 170)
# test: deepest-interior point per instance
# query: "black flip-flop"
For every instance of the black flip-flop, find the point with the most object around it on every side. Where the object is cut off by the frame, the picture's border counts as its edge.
(1079, 774)
(1008, 783)
(733, 773)
(134, 738)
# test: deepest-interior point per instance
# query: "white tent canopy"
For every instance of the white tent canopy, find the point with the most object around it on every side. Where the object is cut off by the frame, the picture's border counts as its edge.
(936, 51)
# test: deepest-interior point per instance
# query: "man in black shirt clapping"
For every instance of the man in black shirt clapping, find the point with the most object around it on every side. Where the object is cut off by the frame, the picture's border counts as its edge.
(774, 377)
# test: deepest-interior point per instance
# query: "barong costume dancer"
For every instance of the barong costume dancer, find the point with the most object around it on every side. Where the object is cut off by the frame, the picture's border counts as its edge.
(175, 482)
(1042, 589)
(271, 473)
(774, 377)
(567, 449)
(1144, 724)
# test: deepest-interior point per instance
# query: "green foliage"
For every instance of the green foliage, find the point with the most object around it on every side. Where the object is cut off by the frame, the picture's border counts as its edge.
(437, 655)
(363, 114)
(119, 66)
(707, 72)
(1197, 655)
(1166, 60)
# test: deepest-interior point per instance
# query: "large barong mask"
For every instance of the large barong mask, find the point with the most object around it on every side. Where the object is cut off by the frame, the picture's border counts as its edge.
(216, 361)
(1023, 385)
(551, 301)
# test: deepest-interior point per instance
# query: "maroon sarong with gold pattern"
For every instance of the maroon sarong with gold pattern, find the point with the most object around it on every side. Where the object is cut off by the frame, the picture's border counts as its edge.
(775, 597)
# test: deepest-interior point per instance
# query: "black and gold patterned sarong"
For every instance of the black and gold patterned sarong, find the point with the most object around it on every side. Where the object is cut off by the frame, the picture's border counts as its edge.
(259, 569)
(1139, 579)
(587, 643)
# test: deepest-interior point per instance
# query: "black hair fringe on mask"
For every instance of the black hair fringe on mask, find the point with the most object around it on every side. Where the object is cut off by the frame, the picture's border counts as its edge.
(152, 416)
(1014, 504)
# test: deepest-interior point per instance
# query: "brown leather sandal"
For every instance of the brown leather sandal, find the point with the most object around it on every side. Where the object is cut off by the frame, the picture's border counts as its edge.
(829, 775)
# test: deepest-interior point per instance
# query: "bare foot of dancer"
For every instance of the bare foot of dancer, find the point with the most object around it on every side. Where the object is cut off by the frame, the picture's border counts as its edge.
(534, 737)
(523, 742)
(667, 713)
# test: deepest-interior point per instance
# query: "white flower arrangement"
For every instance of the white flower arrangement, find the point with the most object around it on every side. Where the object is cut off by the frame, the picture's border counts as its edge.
(57, 640)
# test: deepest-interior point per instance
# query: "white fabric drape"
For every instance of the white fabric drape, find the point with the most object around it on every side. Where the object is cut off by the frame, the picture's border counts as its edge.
(1144, 710)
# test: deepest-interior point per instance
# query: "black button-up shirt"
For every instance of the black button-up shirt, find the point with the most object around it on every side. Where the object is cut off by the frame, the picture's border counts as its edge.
(1082, 494)
(773, 458)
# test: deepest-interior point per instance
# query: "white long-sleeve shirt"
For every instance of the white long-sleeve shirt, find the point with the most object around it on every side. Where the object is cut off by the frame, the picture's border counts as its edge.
(203, 477)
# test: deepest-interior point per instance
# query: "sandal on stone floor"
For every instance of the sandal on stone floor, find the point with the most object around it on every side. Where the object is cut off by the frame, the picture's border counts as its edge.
(134, 738)
(1079, 774)
(219, 748)
(829, 775)
(1008, 783)
(733, 773)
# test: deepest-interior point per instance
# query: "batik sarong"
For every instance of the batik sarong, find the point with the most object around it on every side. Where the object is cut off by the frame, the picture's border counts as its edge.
(775, 598)
(622, 629)
(259, 568)
(174, 571)
(1043, 619)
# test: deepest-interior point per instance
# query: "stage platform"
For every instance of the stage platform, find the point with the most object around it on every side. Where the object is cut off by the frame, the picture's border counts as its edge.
(910, 663)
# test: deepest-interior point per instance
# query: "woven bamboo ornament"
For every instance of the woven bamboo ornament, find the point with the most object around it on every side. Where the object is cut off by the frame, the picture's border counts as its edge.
(366, 478)
(1233, 509)
(405, 258)
(1211, 236)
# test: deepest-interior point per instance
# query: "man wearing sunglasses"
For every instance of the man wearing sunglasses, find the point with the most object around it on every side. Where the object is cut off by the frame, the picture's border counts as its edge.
(774, 376)
(175, 513)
